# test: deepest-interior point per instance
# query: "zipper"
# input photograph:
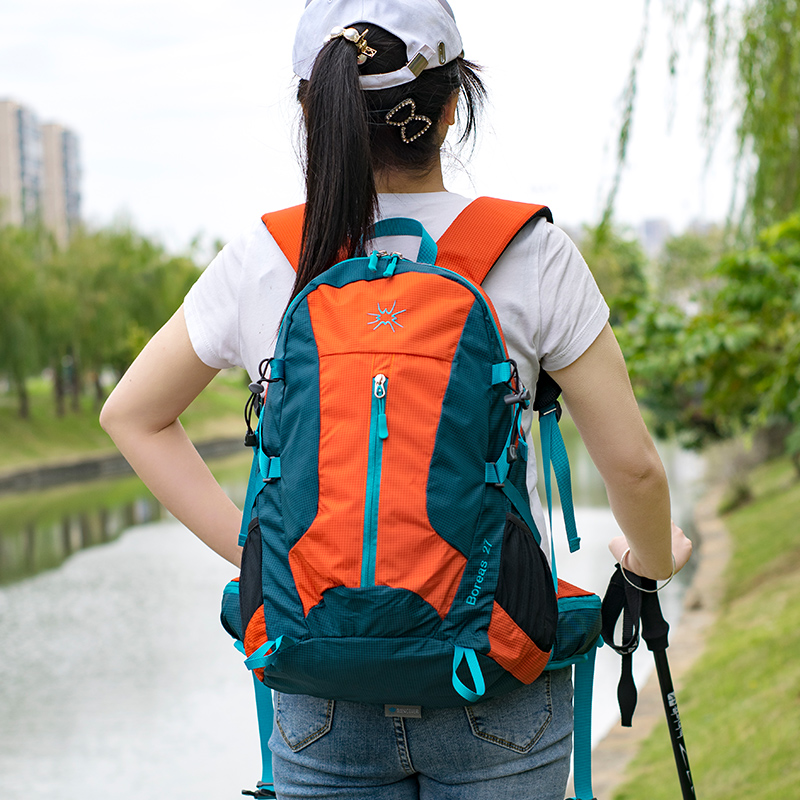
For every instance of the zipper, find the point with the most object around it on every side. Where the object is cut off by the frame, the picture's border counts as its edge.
(378, 431)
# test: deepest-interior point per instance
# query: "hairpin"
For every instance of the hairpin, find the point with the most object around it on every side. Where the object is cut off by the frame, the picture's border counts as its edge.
(412, 117)
(358, 39)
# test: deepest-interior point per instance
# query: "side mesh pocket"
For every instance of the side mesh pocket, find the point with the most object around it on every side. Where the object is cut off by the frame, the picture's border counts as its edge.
(523, 625)
(231, 613)
(579, 623)
(251, 596)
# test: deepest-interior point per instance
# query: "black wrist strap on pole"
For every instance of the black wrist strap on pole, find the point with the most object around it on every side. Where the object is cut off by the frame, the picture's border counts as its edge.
(641, 613)
(623, 599)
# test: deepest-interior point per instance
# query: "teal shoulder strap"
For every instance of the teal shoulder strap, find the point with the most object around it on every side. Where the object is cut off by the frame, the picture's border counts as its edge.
(554, 456)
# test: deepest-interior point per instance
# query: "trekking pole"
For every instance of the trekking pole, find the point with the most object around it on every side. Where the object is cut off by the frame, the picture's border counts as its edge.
(655, 630)
(635, 598)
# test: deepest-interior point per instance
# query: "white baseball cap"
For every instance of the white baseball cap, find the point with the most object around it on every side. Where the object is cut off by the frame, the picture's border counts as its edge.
(427, 27)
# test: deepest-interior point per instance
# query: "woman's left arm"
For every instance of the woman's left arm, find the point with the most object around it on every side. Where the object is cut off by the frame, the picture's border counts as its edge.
(141, 416)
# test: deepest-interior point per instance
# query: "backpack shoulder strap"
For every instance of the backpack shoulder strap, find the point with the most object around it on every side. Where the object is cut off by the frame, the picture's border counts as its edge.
(286, 227)
(470, 246)
(481, 232)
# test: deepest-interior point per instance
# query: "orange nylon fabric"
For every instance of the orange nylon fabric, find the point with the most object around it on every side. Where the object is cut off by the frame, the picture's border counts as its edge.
(255, 635)
(470, 246)
(410, 554)
(480, 234)
(568, 590)
(512, 649)
(286, 227)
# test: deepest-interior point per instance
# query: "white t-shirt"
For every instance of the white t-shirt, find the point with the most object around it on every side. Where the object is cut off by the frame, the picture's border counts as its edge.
(549, 306)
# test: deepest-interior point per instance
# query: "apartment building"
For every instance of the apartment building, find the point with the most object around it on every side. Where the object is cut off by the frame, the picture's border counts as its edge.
(39, 172)
(61, 198)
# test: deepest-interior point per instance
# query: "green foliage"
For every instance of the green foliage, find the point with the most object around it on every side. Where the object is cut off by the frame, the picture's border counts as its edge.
(734, 365)
(757, 44)
(21, 251)
(686, 262)
(769, 77)
(626, 125)
(85, 308)
(618, 264)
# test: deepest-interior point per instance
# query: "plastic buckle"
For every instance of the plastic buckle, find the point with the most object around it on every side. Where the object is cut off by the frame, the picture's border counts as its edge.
(555, 408)
(261, 790)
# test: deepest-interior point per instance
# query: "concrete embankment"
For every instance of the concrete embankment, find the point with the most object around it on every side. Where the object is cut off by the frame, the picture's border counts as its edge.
(111, 465)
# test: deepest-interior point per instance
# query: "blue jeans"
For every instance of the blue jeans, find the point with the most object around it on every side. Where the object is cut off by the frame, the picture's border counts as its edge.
(511, 748)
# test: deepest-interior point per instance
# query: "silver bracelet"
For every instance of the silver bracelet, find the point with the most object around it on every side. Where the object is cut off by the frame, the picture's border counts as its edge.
(649, 591)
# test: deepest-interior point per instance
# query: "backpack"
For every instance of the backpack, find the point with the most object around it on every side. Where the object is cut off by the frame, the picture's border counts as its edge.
(390, 554)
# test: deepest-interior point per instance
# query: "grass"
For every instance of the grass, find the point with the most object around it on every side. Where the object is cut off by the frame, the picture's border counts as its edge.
(46, 438)
(740, 703)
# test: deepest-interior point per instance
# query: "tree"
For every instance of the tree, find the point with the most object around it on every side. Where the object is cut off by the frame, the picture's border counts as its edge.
(734, 366)
(760, 39)
(618, 264)
(84, 308)
(20, 353)
(685, 264)
(769, 77)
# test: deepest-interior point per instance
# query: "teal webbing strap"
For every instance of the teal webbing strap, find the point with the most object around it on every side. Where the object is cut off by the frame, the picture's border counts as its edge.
(274, 470)
(265, 714)
(266, 654)
(554, 452)
(491, 475)
(582, 736)
(269, 466)
(497, 472)
(461, 654)
(254, 486)
(403, 226)
(545, 422)
(501, 373)
(276, 372)
(523, 508)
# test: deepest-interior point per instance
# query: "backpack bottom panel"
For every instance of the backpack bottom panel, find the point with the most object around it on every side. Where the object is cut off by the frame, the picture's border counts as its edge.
(408, 671)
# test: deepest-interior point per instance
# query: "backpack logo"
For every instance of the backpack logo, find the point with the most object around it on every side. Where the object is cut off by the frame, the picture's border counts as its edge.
(385, 316)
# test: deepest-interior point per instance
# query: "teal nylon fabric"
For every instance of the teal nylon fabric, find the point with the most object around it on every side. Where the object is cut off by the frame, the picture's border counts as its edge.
(403, 226)
(501, 373)
(265, 715)
(554, 452)
(462, 654)
(254, 486)
(582, 736)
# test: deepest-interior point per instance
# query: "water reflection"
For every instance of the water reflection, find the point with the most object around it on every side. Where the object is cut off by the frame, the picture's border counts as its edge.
(40, 530)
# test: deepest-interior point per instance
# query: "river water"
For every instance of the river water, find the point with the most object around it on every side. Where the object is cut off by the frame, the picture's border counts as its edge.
(116, 679)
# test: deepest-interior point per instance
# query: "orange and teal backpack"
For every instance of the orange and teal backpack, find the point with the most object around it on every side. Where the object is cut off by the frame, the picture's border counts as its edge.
(390, 554)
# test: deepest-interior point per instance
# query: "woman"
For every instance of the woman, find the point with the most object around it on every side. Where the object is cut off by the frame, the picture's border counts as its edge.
(381, 83)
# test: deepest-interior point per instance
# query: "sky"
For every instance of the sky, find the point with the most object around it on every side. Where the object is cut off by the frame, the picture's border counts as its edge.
(188, 125)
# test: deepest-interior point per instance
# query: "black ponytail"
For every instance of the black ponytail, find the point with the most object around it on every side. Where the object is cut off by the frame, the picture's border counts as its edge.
(347, 138)
(341, 199)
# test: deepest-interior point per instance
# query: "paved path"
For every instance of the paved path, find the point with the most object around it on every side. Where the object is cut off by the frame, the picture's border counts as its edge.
(612, 755)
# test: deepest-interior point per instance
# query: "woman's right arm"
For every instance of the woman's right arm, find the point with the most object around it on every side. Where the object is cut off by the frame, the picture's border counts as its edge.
(142, 417)
(600, 400)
